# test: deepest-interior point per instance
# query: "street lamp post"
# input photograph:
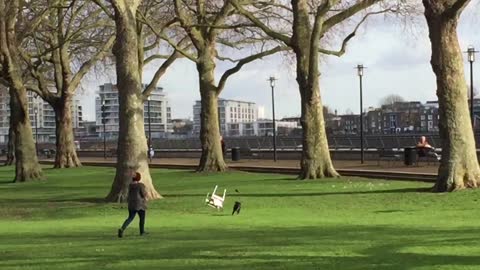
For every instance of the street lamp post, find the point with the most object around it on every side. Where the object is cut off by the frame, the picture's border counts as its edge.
(104, 130)
(149, 124)
(360, 69)
(272, 80)
(471, 58)
(35, 111)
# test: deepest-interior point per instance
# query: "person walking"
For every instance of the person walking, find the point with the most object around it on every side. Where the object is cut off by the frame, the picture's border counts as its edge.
(151, 153)
(224, 147)
(137, 204)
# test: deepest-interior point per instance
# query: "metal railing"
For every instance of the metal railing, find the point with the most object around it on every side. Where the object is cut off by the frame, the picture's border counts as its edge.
(295, 143)
(344, 142)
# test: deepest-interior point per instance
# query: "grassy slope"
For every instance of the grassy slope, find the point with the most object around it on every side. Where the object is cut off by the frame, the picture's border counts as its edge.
(284, 224)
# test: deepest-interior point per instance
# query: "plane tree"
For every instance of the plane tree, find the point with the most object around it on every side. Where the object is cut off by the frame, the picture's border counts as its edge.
(459, 167)
(309, 28)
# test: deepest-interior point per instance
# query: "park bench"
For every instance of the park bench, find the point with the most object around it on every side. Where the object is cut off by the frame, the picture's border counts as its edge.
(48, 153)
(388, 154)
(247, 153)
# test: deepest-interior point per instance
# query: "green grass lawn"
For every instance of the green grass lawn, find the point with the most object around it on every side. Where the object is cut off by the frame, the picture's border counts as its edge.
(350, 223)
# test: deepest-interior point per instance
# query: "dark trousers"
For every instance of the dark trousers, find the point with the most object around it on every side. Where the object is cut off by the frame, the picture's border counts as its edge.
(131, 216)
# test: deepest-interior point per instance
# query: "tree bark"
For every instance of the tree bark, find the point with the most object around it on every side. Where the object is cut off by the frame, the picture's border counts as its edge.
(11, 133)
(132, 143)
(316, 161)
(212, 157)
(66, 153)
(26, 164)
(27, 167)
(459, 167)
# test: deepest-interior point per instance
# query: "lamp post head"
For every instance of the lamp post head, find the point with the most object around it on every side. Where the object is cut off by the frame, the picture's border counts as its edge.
(360, 69)
(471, 53)
(35, 110)
(148, 98)
(272, 80)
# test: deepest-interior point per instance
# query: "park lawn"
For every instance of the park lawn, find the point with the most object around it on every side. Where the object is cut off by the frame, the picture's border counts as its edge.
(347, 223)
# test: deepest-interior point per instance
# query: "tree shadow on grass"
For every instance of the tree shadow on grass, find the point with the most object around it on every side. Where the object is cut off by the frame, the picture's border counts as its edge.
(311, 194)
(5, 182)
(303, 247)
(92, 200)
(85, 200)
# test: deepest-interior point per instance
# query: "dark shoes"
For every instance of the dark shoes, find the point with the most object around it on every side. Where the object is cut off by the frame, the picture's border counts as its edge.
(120, 233)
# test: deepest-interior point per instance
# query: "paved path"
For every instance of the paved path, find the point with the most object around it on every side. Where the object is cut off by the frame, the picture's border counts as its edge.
(384, 166)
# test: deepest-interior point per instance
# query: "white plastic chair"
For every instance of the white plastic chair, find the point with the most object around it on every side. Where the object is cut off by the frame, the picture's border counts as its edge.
(214, 200)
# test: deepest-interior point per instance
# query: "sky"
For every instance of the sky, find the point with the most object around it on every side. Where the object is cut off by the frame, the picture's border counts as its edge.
(397, 57)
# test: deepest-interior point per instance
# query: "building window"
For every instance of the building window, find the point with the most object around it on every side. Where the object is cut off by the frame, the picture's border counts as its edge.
(422, 117)
(393, 120)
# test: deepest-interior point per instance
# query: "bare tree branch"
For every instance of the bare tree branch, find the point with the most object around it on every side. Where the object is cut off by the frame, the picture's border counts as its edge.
(244, 61)
(86, 66)
(269, 31)
(159, 73)
(163, 36)
(457, 7)
(351, 35)
(104, 8)
(154, 57)
(347, 13)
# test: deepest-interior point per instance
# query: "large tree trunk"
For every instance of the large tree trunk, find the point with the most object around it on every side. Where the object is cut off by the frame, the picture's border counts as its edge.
(132, 143)
(212, 157)
(27, 167)
(11, 133)
(66, 154)
(26, 162)
(316, 161)
(459, 167)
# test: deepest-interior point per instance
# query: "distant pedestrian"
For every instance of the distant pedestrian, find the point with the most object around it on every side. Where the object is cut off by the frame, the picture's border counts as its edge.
(137, 204)
(151, 153)
(224, 148)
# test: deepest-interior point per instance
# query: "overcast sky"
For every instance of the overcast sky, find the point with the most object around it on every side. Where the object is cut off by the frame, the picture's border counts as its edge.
(397, 60)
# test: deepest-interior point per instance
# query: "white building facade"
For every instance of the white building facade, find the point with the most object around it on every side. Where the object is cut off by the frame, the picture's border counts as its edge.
(4, 114)
(160, 112)
(232, 114)
(42, 117)
(262, 127)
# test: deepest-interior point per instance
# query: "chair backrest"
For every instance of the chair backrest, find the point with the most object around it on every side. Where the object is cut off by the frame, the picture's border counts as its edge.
(215, 200)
